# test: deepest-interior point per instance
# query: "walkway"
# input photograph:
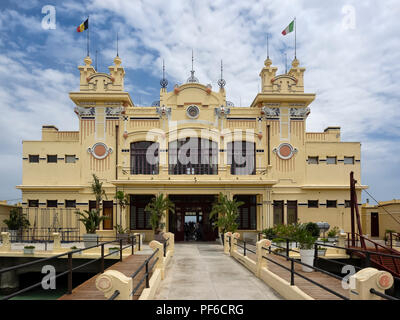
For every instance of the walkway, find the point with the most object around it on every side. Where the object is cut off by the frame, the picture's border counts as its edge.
(201, 271)
(88, 290)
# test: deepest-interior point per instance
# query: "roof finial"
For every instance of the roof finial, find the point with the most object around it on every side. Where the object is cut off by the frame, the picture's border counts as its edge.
(192, 78)
(221, 82)
(117, 45)
(163, 81)
(267, 47)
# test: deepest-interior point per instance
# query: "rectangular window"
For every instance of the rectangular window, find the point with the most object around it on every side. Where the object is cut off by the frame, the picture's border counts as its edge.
(313, 203)
(348, 160)
(331, 160)
(291, 212)
(33, 203)
(312, 160)
(69, 158)
(331, 203)
(278, 212)
(139, 218)
(247, 212)
(70, 203)
(241, 155)
(51, 158)
(51, 203)
(34, 158)
(347, 203)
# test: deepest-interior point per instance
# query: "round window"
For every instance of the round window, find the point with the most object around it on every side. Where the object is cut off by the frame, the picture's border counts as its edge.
(192, 112)
(285, 151)
(99, 150)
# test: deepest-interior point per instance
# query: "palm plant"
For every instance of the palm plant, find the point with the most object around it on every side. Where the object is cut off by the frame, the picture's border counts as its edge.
(227, 212)
(123, 201)
(17, 220)
(91, 219)
(98, 191)
(157, 208)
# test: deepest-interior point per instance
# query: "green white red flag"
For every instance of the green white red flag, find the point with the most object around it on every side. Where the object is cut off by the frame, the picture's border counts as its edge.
(288, 29)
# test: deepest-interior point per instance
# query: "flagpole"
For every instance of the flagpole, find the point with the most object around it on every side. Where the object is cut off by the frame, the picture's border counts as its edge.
(267, 47)
(295, 27)
(88, 31)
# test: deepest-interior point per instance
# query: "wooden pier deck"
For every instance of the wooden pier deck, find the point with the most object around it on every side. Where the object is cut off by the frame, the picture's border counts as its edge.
(306, 286)
(88, 290)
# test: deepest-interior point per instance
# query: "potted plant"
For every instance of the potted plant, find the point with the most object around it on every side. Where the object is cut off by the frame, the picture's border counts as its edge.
(113, 250)
(157, 208)
(73, 248)
(333, 234)
(122, 233)
(226, 213)
(321, 251)
(91, 220)
(306, 237)
(269, 233)
(279, 242)
(17, 222)
(29, 249)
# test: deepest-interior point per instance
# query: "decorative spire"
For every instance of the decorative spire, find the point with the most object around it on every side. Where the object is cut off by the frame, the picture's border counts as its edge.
(221, 81)
(163, 81)
(192, 78)
(117, 46)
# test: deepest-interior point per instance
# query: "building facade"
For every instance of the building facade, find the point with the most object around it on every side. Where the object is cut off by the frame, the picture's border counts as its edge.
(379, 218)
(191, 145)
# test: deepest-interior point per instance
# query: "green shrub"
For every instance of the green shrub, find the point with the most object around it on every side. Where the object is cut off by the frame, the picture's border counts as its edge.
(312, 228)
(333, 232)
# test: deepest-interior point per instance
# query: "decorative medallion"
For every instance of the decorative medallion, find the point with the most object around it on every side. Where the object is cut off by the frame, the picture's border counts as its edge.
(285, 151)
(100, 150)
(192, 111)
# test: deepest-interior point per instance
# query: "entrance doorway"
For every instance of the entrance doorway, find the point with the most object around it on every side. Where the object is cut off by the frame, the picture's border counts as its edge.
(374, 224)
(191, 220)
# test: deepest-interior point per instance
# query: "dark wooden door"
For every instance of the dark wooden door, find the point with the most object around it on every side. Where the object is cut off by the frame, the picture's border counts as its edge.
(108, 212)
(374, 224)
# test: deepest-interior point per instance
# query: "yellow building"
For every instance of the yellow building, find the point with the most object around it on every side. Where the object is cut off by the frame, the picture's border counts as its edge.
(191, 145)
(5, 212)
(376, 219)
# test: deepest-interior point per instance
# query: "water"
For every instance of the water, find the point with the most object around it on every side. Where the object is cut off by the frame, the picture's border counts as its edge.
(39, 293)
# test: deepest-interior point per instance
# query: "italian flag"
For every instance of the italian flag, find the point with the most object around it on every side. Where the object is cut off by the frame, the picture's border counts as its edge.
(289, 28)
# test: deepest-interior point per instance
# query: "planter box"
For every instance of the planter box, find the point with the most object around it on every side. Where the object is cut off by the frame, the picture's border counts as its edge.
(124, 237)
(90, 239)
(29, 251)
(334, 239)
(114, 251)
(307, 257)
(321, 253)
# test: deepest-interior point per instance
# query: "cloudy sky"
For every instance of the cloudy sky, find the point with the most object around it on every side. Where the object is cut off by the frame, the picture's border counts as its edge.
(351, 52)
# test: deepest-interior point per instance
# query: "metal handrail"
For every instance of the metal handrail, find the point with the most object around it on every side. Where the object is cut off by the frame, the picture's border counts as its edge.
(114, 295)
(70, 268)
(382, 295)
(145, 265)
(293, 272)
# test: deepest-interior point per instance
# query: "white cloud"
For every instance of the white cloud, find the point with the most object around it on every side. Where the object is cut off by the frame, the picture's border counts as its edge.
(353, 72)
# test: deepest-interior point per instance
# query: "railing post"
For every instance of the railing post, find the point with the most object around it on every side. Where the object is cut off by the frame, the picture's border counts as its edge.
(244, 248)
(287, 249)
(227, 242)
(147, 274)
(367, 260)
(234, 238)
(315, 254)
(261, 262)
(69, 273)
(113, 280)
(120, 249)
(102, 259)
(366, 279)
(292, 272)
(133, 242)
(160, 262)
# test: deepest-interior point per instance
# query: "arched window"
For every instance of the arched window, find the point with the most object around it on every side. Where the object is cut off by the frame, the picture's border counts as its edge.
(242, 157)
(193, 156)
(144, 157)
